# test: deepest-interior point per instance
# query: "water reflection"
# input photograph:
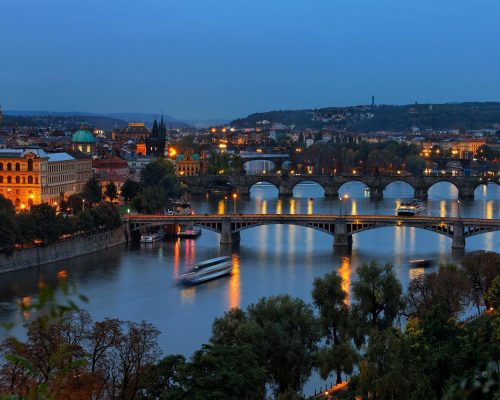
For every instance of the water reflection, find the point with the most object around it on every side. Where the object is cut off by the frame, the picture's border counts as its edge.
(188, 294)
(416, 272)
(234, 287)
(279, 206)
(345, 273)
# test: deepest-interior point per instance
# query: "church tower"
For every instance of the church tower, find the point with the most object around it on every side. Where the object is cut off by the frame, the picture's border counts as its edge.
(156, 143)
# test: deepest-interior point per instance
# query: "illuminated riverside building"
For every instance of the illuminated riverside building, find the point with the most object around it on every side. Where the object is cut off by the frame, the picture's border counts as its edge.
(187, 164)
(32, 176)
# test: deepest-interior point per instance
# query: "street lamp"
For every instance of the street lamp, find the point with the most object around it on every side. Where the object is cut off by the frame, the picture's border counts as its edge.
(458, 208)
(344, 197)
(235, 196)
(83, 204)
(225, 204)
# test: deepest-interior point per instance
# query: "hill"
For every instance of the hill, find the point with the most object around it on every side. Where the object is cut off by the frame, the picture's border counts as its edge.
(471, 115)
(104, 121)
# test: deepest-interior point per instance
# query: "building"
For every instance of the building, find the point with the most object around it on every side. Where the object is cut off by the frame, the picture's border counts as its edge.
(111, 169)
(187, 164)
(83, 169)
(136, 163)
(466, 148)
(33, 176)
(136, 131)
(156, 143)
(83, 140)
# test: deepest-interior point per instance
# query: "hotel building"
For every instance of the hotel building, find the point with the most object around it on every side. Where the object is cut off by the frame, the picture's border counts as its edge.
(32, 176)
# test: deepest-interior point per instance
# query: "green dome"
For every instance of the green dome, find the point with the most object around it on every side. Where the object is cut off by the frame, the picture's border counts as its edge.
(83, 136)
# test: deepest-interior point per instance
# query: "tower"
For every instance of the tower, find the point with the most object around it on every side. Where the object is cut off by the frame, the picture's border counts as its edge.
(373, 101)
(1, 113)
(156, 142)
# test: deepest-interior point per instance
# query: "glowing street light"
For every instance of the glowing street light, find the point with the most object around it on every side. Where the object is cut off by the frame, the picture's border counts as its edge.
(235, 196)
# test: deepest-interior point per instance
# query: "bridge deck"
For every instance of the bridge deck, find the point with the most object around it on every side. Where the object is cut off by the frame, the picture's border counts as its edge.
(309, 217)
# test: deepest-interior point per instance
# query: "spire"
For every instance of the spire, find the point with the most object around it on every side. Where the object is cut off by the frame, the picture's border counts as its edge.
(154, 131)
(163, 129)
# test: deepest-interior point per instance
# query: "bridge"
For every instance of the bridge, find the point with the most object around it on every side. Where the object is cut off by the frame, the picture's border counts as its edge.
(341, 227)
(466, 185)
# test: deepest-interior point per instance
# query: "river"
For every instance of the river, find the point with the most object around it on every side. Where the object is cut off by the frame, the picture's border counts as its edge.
(139, 282)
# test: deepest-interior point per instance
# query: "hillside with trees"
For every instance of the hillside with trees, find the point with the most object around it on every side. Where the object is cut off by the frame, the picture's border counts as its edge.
(382, 117)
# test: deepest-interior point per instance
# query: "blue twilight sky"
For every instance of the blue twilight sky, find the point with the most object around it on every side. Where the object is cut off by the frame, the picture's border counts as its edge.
(229, 58)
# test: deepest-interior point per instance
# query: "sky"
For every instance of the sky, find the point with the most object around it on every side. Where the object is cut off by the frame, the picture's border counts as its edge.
(201, 59)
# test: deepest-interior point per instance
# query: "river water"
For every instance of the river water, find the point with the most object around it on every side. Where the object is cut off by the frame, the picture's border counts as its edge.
(139, 282)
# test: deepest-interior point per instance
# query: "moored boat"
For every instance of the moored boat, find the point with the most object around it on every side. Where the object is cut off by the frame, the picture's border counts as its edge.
(190, 233)
(152, 237)
(207, 270)
(411, 208)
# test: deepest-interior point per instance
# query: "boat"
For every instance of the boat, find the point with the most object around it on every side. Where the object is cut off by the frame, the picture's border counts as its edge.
(152, 237)
(421, 263)
(411, 208)
(190, 233)
(207, 270)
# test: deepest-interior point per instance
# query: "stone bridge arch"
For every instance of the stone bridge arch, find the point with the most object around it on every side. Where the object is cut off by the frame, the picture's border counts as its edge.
(306, 179)
(402, 179)
(487, 182)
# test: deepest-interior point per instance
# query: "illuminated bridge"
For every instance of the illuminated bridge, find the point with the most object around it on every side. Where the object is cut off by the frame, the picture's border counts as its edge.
(466, 185)
(341, 227)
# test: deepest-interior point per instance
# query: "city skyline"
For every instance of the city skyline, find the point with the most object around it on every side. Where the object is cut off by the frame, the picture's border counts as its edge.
(224, 60)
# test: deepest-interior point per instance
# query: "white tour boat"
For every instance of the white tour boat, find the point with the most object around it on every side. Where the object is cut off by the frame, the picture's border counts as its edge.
(411, 208)
(207, 270)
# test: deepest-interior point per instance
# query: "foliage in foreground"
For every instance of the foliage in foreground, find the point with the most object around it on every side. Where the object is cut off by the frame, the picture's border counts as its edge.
(273, 346)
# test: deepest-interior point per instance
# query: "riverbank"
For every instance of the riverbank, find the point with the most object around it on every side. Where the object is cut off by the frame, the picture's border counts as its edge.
(74, 247)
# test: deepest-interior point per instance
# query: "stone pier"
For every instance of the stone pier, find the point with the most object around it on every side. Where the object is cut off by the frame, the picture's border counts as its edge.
(458, 236)
(226, 236)
(340, 236)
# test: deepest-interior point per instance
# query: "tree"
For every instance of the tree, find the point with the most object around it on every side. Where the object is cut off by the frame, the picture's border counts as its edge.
(106, 216)
(92, 191)
(111, 192)
(164, 380)
(237, 165)
(493, 294)
(155, 171)
(331, 301)
(75, 203)
(8, 232)
(130, 189)
(448, 287)
(45, 222)
(281, 331)
(150, 200)
(377, 292)
(223, 372)
(481, 267)
(486, 153)
(66, 355)
(385, 372)
(171, 186)
(85, 221)
(415, 165)
(219, 163)
(6, 205)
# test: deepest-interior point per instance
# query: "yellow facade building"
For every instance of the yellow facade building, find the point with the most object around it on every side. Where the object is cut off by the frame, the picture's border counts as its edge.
(187, 164)
(32, 176)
